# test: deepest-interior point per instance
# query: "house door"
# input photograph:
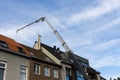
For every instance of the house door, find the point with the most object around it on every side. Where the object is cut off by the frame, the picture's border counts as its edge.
(1, 73)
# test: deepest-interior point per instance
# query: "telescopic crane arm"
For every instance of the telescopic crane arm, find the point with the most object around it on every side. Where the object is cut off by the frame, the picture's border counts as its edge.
(30, 24)
(57, 35)
(75, 62)
(54, 31)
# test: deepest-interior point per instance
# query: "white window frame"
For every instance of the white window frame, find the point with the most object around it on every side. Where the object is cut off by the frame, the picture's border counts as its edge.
(37, 69)
(4, 68)
(55, 73)
(46, 71)
(23, 67)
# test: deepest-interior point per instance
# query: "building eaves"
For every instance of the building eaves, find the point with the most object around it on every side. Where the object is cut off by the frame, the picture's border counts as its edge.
(14, 52)
(102, 78)
(44, 61)
(39, 55)
(91, 70)
(63, 55)
(82, 59)
(53, 51)
(12, 45)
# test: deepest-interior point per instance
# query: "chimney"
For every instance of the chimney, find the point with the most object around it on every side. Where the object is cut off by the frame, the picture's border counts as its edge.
(58, 49)
(39, 42)
(54, 47)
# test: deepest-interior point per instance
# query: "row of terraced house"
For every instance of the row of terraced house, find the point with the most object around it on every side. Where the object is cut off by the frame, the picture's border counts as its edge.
(40, 62)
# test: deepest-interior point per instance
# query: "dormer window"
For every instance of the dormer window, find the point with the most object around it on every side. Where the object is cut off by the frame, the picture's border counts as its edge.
(21, 50)
(3, 44)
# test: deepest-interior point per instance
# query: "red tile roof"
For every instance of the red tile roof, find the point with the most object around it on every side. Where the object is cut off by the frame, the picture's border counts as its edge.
(12, 44)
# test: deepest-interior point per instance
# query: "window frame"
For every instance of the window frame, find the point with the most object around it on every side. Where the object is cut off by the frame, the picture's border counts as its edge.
(78, 74)
(5, 67)
(21, 50)
(37, 69)
(55, 73)
(47, 71)
(22, 72)
(68, 72)
(3, 44)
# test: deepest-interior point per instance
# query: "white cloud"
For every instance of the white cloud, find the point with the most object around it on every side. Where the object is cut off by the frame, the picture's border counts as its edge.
(112, 75)
(107, 26)
(91, 13)
(95, 33)
(25, 35)
(106, 61)
(107, 45)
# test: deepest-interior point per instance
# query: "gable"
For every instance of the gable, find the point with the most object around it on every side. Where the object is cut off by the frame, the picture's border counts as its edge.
(46, 52)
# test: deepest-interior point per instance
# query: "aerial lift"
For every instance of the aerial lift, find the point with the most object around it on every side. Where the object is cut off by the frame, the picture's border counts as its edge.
(76, 64)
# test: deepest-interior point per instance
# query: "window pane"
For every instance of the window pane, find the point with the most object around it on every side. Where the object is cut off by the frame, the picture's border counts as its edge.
(1, 73)
(80, 78)
(23, 73)
(23, 76)
(67, 77)
(55, 73)
(2, 65)
(36, 69)
(68, 72)
(46, 71)
(78, 74)
(3, 44)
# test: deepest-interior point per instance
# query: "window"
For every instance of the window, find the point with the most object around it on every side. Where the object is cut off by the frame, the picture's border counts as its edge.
(37, 69)
(83, 64)
(21, 50)
(23, 73)
(68, 72)
(55, 73)
(2, 70)
(3, 44)
(47, 71)
(79, 76)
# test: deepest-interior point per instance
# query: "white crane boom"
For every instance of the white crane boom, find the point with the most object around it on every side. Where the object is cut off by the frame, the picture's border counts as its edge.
(58, 36)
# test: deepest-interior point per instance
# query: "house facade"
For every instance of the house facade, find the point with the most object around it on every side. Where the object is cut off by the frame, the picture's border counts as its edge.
(20, 62)
(42, 62)
(14, 64)
(42, 67)
(67, 71)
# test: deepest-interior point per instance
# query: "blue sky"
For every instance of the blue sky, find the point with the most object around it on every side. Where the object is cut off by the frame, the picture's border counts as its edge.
(90, 27)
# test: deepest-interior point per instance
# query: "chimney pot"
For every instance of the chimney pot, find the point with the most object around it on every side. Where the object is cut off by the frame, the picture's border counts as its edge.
(54, 47)
(58, 49)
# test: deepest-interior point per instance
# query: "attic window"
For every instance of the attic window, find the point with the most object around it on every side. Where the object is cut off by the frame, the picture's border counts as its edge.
(21, 50)
(3, 44)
